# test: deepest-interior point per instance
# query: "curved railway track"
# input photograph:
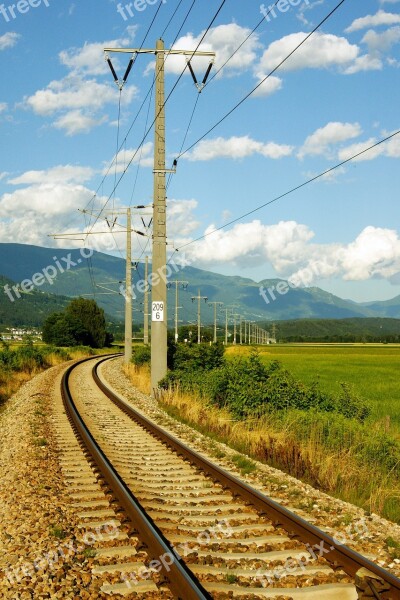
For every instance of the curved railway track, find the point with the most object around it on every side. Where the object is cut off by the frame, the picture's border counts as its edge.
(205, 533)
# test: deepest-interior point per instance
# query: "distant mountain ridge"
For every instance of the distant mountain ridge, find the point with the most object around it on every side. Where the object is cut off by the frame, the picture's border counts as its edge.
(69, 273)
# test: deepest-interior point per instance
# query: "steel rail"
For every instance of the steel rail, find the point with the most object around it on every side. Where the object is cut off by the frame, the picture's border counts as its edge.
(372, 576)
(182, 582)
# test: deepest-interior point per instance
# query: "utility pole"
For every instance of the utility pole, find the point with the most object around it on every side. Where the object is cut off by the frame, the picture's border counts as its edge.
(159, 252)
(235, 316)
(215, 304)
(228, 311)
(199, 298)
(184, 286)
(146, 303)
(226, 326)
(128, 294)
(240, 330)
(128, 290)
(159, 326)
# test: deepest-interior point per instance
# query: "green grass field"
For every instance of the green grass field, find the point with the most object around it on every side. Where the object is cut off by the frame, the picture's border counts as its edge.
(372, 369)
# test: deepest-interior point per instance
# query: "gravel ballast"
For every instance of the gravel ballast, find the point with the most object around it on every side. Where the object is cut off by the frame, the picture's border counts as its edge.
(39, 557)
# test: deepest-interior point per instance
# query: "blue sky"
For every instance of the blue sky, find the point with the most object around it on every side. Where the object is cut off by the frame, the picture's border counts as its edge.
(334, 97)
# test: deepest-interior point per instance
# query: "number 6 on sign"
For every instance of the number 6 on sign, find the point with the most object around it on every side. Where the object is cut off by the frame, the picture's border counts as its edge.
(157, 311)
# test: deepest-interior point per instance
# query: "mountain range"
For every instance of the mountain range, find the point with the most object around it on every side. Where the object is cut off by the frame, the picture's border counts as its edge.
(60, 274)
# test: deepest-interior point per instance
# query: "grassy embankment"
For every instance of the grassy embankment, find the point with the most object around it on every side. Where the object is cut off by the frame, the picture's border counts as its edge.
(20, 362)
(355, 460)
(372, 369)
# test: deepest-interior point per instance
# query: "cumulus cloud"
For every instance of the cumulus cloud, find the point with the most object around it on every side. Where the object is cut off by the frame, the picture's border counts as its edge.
(380, 18)
(320, 51)
(144, 156)
(253, 243)
(44, 199)
(58, 174)
(288, 247)
(322, 140)
(181, 221)
(72, 93)
(236, 148)
(31, 214)
(269, 86)
(75, 121)
(390, 149)
(381, 42)
(3, 106)
(366, 62)
(8, 40)
(224, 41)
(89, 58)
(78, 98)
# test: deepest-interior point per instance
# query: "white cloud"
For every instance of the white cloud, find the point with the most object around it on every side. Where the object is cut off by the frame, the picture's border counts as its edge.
(58, 174)
(8, 40)
(381, 42)
(72, 93)
(3, 106)
(31, 214)
(76, 99)
(380, 18)
(90, 60)
(287, 246)
(3, 175)
(269, 86)
(320, 51)
(375, 252)
(224, 41)
(44, 199)
(252, 244)
(181, 221)
(125, 156)
(390, 149)
(321, 141)
(349, 151)
(75, 121)
(236, 148)
(364, 63)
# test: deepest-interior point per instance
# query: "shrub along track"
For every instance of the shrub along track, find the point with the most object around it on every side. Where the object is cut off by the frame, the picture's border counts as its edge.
(206, 533)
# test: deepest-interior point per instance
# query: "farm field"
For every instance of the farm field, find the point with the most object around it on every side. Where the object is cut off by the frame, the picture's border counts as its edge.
(372, 369)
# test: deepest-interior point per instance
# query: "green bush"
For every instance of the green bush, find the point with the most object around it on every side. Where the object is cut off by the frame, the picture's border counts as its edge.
(248, 387)
(25, 358)
(141, 355)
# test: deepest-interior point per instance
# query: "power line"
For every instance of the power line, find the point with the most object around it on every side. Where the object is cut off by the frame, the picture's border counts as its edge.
(186, 133)
(295, 189)
(243, 43)
(173, 15)
(222, 119)
(162, 108)
(135, 119)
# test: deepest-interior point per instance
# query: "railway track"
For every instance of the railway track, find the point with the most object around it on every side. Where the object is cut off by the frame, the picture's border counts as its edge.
(172, 524)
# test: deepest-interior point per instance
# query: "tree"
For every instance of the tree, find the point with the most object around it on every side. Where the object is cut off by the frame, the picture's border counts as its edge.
(91, 316)
(83, 322)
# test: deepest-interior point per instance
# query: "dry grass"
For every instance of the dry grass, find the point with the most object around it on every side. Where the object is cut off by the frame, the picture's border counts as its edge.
(11, 381)
(335, 472)
(140, 377)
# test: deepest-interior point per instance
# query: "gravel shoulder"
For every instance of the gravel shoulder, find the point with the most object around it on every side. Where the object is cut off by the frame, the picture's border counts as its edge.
(38, 556)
